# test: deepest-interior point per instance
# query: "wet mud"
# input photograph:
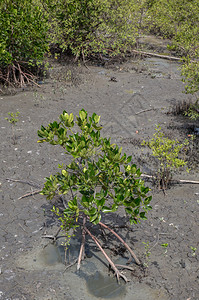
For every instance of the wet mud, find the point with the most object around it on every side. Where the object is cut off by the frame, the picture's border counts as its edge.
(131, 98)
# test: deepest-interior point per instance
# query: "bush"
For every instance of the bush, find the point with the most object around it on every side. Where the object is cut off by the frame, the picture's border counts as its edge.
(93, 26)
(99, 178)
(178, 19)
(167, 152)
(23, 39)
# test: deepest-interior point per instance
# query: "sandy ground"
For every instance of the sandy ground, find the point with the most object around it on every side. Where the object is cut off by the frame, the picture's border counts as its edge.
(131, 99)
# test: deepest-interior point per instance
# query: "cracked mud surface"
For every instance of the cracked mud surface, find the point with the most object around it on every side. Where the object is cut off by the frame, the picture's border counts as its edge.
(131, 98)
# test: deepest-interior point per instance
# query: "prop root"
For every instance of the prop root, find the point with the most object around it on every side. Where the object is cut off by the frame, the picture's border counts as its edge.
(122, 241)
(118, 274)
(82, 248)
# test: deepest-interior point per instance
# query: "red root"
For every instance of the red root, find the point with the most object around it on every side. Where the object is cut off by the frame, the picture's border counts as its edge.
(118, 274)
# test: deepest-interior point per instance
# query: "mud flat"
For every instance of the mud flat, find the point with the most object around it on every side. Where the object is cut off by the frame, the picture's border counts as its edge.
(131, 99)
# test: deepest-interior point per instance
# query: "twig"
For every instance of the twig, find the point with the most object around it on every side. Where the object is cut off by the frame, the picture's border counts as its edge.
(157, 240)
(73, 263)
(24, 181)
(82, 248)
(118, 274)
(53, 237)
(123, 242)
(30, 194)
(142, 111)
(23, 228)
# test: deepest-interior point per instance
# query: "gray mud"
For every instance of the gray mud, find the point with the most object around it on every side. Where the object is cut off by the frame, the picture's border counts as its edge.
(131, 99)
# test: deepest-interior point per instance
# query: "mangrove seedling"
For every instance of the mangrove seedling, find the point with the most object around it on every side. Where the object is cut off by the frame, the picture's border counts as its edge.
(193, 249)
(13, 119)
(98, 180)
(147, 254)
(165, 245)
(167, 151)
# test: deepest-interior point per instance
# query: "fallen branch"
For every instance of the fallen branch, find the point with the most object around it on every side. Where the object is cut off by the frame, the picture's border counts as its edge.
(122, 241)
(172, 180)
(118, 274)
(159, 55)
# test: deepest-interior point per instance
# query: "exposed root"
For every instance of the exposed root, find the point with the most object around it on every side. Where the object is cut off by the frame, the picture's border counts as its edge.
(124, 267)
(122, 241)
(118, 274)
(16, 75)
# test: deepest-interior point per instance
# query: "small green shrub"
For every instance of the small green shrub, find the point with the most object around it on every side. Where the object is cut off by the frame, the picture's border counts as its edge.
(99, 179)
(167, 152)
(190, 73)
(193, 111)
(13, 119)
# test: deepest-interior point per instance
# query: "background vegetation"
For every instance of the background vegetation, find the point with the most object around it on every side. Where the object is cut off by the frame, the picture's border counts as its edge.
(103, 27)
(23, 39)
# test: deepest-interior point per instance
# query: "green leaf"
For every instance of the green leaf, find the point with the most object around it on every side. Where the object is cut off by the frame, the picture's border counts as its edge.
(142, 216)
(100, 202)
(64, 173)
(93, 217)
(106, 209)
(92, 211)
(83, 114)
